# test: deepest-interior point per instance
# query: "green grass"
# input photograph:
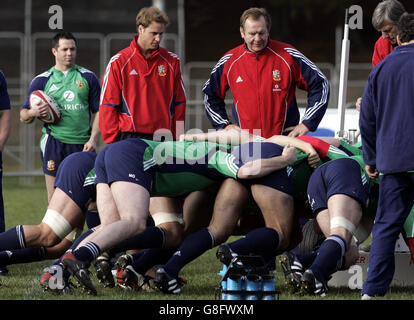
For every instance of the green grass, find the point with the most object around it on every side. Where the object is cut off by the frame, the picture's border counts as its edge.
(26, 204)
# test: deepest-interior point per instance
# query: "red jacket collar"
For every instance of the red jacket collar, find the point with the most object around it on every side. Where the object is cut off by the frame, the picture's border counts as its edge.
(261, 52)
(134, 45)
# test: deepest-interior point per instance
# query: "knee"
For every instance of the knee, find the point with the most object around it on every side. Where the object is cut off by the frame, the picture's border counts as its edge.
(48, 237)
(137, 225)
(220, 234)
(173, 234)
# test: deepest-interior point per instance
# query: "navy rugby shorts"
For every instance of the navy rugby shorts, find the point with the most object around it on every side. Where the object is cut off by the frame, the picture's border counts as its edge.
(123, 161)
(280, 180)
(341, 176)
(70, 177)
(53, 152)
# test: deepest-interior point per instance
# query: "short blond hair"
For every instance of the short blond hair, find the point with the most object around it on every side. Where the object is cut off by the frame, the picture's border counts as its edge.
(255, 14)
(150, 14)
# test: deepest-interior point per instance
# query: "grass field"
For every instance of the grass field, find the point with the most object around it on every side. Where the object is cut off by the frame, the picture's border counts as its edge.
(25, 204)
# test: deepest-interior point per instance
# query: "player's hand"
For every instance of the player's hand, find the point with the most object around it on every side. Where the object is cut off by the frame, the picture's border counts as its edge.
(232, 127)
(299, 130)
(188, 137)
(38, 109)
(358, 104)
(313, 158)
(371, 171)
(289, 154)
(89, 146)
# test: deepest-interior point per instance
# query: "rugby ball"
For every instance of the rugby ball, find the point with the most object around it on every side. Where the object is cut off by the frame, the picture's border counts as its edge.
(53, 108)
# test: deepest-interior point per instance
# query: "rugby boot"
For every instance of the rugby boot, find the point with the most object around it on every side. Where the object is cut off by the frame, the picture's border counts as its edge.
(48, 282)
(292, 270)
(165, 282)
(103, 270)
(312, 286)
(226, 256)
(79, 270)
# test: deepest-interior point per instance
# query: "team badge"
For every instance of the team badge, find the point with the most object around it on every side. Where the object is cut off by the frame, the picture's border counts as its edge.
(162, 71)
(50, 165)
(80, 84)
(276, 75)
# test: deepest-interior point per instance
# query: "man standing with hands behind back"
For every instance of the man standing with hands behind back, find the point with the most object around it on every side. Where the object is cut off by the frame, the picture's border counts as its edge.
(263, 75)
(142, 89)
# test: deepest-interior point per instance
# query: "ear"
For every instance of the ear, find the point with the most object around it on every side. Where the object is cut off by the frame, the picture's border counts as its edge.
(140, 29)
(242, 32)
(54, 51)
(399, 40)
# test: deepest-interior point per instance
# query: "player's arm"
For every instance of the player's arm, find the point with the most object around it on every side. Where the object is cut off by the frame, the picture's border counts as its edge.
(180, 101)
(110, 99)
(214, 93)
(262, 167)
(313, 158)
(308, 77)
(5, 112)
(367, 125)
(93, 140)
(5, 117)
(230, 136)
(93, 101)
(29, 111)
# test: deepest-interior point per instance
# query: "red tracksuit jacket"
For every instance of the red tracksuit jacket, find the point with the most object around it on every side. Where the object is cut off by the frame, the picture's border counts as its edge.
(141, 95)
(263, 87)
(382, 48)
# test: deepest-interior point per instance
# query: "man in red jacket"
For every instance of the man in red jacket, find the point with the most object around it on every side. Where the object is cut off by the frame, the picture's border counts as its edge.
(143, 96)
(263, 75)
(385, 19)
(142, 89)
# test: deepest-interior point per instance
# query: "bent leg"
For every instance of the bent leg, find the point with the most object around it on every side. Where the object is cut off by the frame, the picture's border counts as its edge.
(277, 210)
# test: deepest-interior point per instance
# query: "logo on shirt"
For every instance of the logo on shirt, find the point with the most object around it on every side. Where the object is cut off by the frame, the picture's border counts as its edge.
(239, 79)
(53, 88)
(68, 95)
(80, 84)
(50, 165)
(162, 70)
(276, 75)
(133, 72)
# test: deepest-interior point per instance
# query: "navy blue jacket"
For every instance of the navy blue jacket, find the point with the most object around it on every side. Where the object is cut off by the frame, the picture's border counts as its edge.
(387, 113)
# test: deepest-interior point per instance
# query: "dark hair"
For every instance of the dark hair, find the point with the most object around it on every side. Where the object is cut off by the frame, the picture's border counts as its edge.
(406, 27)
(255, 14)
(62, 35)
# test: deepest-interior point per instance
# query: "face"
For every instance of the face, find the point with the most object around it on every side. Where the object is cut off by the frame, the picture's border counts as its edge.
(150, 37)
(389, 31)
(65, 54)
(255, 34)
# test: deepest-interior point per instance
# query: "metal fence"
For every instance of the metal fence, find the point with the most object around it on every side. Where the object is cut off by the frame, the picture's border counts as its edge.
(21, 155)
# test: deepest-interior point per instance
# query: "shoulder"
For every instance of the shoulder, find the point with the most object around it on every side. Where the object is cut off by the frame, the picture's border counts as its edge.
(41, 79)
(232, 55)
(122, 56)
(88, 75)
(171, 57)
(284, 50)
(83, 70)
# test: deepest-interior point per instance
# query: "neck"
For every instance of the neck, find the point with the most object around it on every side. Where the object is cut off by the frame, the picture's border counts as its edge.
(63, 68)
(144, 52)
